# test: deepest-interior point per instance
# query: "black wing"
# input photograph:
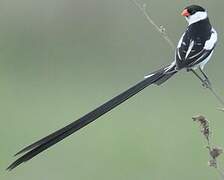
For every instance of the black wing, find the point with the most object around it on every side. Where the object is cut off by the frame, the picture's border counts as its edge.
(192, 51)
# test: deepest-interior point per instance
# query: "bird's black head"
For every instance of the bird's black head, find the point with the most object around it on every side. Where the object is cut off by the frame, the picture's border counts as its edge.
(192, 9)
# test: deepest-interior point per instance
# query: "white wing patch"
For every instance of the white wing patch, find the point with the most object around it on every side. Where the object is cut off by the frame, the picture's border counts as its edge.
(189, 49)
(209, 44)
(180, 41)
(178, 53)
(202, 64)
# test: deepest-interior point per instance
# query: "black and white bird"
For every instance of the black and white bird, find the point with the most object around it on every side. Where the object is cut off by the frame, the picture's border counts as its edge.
(195, 46)
(193, 51)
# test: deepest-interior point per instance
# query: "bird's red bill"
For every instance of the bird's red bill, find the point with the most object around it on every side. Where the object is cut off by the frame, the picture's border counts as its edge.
(185, 13)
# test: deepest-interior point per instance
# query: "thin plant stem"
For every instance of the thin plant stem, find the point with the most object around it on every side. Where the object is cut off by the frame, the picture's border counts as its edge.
(212, 90)
(160, 29)
(220, 172)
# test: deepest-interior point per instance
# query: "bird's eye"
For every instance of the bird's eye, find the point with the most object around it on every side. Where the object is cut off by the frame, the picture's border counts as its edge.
(191, 11)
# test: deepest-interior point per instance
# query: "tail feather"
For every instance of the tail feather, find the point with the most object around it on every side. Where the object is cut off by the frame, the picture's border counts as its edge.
(157, 77)
(167, 72)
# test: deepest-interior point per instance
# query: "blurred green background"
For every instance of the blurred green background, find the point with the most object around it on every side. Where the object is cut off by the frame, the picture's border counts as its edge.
(61, 59)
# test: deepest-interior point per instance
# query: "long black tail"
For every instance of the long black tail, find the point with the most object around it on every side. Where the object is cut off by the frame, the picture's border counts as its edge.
(157, 77)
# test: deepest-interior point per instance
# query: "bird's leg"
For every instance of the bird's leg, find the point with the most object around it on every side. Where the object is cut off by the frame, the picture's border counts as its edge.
(196, 74)
(205, 82)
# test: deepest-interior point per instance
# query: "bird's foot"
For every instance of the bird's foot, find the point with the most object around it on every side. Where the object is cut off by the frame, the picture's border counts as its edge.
(206, 83)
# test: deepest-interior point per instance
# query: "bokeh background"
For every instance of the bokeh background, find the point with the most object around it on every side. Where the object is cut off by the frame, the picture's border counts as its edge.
(61, 59)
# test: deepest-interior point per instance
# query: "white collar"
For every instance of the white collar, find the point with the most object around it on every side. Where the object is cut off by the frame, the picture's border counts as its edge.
(198, 16)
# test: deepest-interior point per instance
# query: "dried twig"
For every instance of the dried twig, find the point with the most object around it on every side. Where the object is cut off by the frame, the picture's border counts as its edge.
(214, 151)
(204, 126)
